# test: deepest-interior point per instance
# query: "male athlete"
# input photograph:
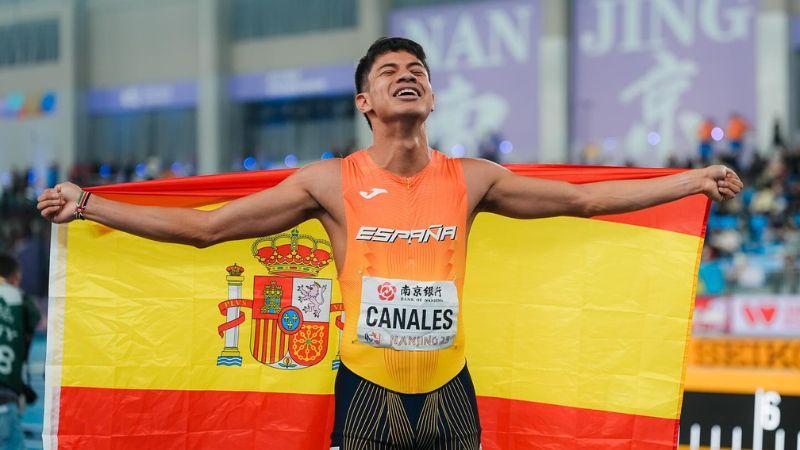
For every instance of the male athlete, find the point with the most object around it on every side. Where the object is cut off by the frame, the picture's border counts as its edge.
(398, 214)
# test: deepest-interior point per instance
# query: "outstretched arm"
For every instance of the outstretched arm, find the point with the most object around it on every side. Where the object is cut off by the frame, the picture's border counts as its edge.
(525, 197)
(266, 212)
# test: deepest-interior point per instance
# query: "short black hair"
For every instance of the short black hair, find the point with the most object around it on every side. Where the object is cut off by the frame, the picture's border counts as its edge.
(8, 266)
(379, 47)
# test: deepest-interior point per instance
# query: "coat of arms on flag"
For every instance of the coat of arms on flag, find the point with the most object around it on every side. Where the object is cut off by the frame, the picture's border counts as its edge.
(290, 308)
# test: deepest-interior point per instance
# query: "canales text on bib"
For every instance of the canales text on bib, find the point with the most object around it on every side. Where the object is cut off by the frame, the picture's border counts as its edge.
(407, 314)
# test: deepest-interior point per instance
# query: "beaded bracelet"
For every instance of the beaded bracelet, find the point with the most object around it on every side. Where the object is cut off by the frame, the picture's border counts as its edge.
(83, 199)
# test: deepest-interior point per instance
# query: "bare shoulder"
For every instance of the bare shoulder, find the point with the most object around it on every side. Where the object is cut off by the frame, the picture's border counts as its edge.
(325, 167)
(482, 172)
(322, 180)
(325, 173)
(480, 175)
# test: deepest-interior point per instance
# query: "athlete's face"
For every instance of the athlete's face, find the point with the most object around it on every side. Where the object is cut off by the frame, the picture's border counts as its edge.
(398, 88)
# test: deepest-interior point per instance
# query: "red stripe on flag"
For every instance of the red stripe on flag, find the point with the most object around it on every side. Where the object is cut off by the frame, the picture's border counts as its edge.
(510, 423)
(673, 216)
(264, 327)
(256, 338)
(273, 325)
(279, 339)
(96, 418)
(99, 418)
(233, 185)
(284, 344)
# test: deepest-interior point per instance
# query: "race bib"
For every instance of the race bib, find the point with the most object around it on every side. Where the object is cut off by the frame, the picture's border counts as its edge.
(408, 314)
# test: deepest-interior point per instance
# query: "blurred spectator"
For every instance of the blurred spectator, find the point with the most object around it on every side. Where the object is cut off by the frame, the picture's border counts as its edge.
(30, 249)
(777, 136)
(19, 317)
(489, 148)
(706, 141)
(711, 277)
(736, 130)
(23, 233)
(591, 155)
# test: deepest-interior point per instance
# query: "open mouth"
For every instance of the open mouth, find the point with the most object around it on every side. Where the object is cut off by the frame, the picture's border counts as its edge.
(408, 92)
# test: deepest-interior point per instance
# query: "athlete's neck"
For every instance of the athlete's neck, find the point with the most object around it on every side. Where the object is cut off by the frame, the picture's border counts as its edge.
(402, 150)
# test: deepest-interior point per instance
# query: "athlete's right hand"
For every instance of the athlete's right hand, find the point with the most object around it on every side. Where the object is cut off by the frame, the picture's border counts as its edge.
(58, 204)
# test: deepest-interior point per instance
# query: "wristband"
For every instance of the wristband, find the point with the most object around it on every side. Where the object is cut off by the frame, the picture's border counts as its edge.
(83, 199)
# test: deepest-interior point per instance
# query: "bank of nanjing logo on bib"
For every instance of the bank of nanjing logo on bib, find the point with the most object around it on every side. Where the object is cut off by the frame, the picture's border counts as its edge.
(386, 291)
(290, 309)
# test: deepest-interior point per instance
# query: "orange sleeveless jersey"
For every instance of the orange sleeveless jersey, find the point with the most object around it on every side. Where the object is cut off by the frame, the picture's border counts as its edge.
(376, 198)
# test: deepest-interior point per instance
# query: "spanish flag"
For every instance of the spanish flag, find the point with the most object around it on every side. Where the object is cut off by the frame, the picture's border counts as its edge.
(577, 329)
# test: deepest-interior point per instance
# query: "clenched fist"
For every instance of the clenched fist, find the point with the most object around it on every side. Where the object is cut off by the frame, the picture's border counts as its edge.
(58, 204)
(721, 183)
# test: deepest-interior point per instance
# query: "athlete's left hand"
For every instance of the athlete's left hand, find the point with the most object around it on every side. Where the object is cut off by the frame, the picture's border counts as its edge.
(721, 183)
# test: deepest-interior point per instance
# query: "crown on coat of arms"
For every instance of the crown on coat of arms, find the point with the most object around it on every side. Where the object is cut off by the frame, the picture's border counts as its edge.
(235, 270)
(283, 254)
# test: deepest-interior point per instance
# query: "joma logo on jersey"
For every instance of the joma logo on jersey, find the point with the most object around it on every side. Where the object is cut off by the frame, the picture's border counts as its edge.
(433, 232)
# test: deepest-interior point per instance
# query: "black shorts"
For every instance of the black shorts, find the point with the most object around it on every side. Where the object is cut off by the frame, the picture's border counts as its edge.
(370, 417)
